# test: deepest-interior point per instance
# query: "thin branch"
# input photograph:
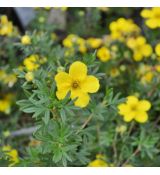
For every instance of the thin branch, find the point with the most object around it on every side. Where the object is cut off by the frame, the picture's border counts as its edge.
(85, 123)
(132, 155)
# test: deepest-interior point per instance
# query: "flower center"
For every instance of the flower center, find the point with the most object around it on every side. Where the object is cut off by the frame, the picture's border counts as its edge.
(75, 85)
(134, 107)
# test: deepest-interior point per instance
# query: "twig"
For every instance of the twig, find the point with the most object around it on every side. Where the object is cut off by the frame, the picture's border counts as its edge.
(115, 148)
(85, 123)
(132, 155)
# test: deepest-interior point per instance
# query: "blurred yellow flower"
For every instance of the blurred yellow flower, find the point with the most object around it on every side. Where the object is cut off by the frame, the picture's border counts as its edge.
(134, 109)
(29, 76)
(114, 72)
(31, 63)
(99, 161)
(5, 103)
(157, 49)
(74, 41)
(152, 17)
(147, 77)
(94, 42)
(139, 47)
(12, 154)
(6, 27)
(103, 54)
(122, 28)
(77, 82)
(121, 129)
(69, 40)
(7, 78)
(157, 67)
(26, 40)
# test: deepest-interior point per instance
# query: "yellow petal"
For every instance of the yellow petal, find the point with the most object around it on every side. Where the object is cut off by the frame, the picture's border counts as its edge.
(144, 105)
(129, 116)
(146, 13)
(78, 71)
(137, 56)
(152, 23)
(132, 100)
(123, 109)
(141, 117)
(157, 49)
(90, 84)
(140, 40)
(61, 93)
(63, 80)
(75, 93)
(82, 100)
(146, 50)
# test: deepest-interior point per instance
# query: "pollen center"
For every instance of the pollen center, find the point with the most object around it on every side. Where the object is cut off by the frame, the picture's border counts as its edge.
(75, 84)
(134, 107)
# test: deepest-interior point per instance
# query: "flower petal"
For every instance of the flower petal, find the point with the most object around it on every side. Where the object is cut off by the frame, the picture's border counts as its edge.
(144, 105)
(129, 116)
(141, 117)
(63, 80)
(61, 94)
(146, 50)
(78, 71)
(132, 100)
(152, 23)
(82, 100)
(90, 84)
(123, 109)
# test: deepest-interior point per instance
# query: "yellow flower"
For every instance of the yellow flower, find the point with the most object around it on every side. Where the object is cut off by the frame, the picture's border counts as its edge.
(103, 54)
(139, 47)
(6, 27)
(75, 41)
(152, 17)
(32, 62)
(61, 8)
(157, 49)
(41, 19)
(114, 72)
(69, 52)
(157, 67)
(12, 154)
(147, 78)
(82, 45)
(47, 8)
(5, 103)
(5, 106)
(69, 40)
(121, 129)
(77, 82)
(134, 109)
(6, 133)
(99, 161)
(29, 76)
(26, 40)
(122, 28)
(10, 79)
(94, 42)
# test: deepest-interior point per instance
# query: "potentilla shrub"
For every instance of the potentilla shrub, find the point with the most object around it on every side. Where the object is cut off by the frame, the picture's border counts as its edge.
(90, 100)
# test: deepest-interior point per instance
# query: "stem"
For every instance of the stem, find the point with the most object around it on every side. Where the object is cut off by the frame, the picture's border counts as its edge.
(115, 148)
(132, 155)
(131, 128)
(85, 123)
(124, 140)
